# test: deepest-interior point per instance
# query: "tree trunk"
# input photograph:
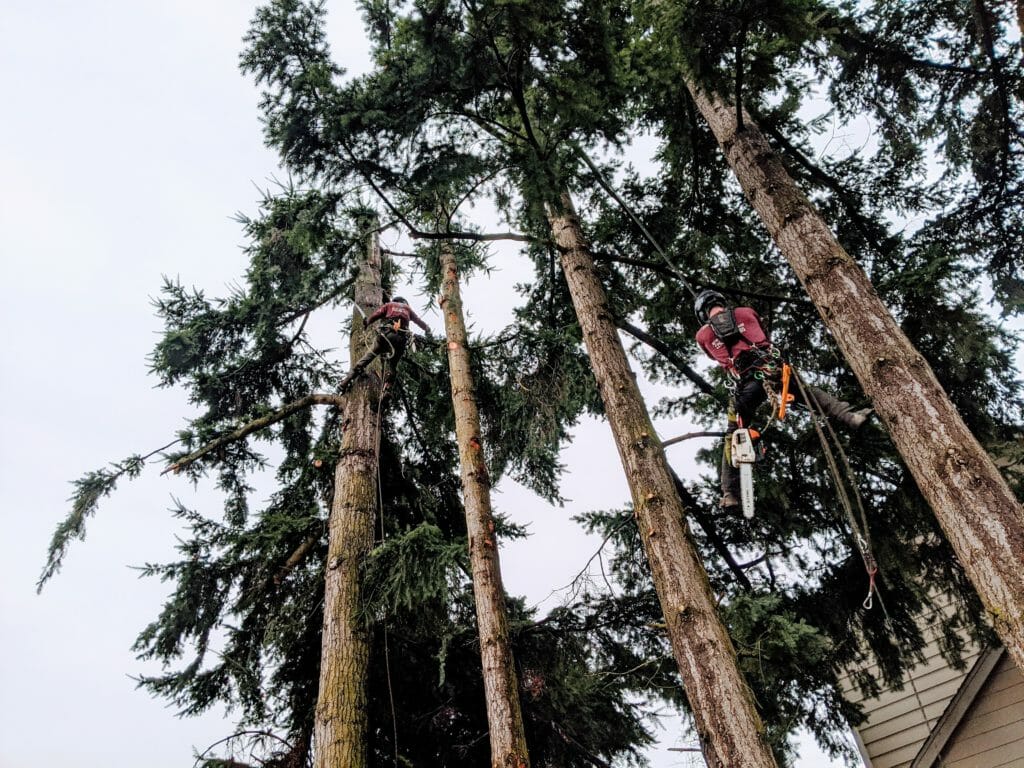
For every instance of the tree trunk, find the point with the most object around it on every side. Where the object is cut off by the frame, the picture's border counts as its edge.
(501, 689)
(979, 514)
(341, 717)
(731, 732)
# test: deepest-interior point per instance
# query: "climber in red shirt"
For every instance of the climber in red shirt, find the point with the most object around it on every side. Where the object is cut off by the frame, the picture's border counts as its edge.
(392, 338)
(735, 339)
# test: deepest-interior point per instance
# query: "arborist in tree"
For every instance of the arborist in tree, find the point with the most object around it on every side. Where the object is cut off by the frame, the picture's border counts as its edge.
(392, 338)
(735, 339)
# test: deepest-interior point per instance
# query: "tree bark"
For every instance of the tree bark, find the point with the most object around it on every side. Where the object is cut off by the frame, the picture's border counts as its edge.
(501, 686)
(730, 730)
(979, 514)
(341, 710)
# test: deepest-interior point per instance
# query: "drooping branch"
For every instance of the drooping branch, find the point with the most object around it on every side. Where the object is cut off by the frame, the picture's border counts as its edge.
(89, 490)
(711, 531)
(666, 351)
(255, 426)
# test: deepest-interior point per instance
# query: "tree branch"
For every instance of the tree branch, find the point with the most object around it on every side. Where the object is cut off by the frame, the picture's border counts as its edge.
(255, 426)
(666, 352)
(689, 435)
(419, 234)
(708, 526)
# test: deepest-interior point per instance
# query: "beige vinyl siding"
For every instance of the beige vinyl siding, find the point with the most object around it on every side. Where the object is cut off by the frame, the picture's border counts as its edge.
(991, 734)
(900, 721)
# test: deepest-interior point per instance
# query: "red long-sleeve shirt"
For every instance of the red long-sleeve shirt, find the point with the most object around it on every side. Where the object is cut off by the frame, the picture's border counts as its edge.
(752, 336)
(396, 310)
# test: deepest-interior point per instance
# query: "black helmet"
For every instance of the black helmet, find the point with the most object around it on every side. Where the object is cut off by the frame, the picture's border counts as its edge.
(399, 300)
(704, 301)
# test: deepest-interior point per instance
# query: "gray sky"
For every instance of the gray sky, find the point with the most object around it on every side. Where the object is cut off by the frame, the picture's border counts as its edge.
(129, 140)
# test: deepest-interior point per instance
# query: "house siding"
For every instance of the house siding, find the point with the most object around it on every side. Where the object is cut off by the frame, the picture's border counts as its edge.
(991, 734)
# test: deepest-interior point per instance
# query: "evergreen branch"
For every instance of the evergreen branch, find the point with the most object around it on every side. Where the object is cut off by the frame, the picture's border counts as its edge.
(419, 234)
(202, 760)
(295, 558)
(254, 426)
(88, 492)
(859, 42)
(654, 266)
(496, 342)
(708, 526)
(473, 188)
(401, 254)
(983, 18)
(666, 351)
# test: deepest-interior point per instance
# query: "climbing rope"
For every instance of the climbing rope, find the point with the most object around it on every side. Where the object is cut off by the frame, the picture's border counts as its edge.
(383, 535)
(861, 535)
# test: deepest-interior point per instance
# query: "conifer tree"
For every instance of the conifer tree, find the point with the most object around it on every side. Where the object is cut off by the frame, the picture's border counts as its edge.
(979, 514)
(585, 98)
(242, 626)
(499, 39)
(341, 713)
(508, 741)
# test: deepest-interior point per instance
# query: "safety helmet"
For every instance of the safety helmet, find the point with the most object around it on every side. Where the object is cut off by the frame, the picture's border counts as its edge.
(399, 300)
(704, 301)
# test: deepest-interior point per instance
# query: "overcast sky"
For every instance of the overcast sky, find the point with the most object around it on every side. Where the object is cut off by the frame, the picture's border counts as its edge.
(129, 140)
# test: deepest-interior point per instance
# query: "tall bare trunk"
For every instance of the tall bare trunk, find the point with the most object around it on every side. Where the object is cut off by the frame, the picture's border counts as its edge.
(730, 730)
(501, 689)
(341, 718)
(979, 514)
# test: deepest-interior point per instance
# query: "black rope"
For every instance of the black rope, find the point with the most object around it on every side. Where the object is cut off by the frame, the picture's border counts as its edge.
(635, 219)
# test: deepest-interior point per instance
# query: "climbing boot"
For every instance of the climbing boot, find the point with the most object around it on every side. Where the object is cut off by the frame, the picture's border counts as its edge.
(840, 410)
(857, 419)
(730, 477)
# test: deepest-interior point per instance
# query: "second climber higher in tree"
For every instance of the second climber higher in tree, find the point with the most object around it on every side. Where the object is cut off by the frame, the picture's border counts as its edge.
(736, 340)
(392, 338)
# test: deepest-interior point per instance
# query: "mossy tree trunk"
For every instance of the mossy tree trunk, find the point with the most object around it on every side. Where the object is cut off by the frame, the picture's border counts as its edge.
(341, 711)
(979, 514)
(730, 729)
(501, 688)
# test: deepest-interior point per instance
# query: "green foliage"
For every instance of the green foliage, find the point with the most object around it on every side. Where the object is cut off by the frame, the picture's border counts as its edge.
(490, 99)
(411, 569)
(89, 490)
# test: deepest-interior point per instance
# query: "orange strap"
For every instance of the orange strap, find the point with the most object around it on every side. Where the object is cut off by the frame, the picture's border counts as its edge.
(785, 398)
